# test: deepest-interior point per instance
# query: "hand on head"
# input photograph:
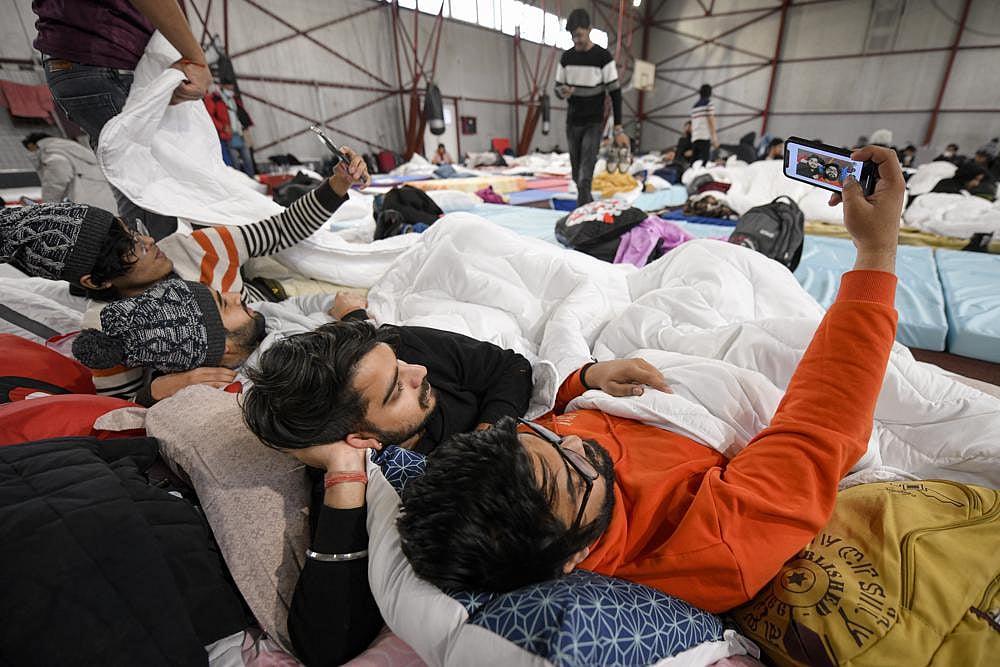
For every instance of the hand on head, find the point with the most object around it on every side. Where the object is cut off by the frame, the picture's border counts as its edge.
(625, 377)
(338, 456)
(355, 172)
(873, 221)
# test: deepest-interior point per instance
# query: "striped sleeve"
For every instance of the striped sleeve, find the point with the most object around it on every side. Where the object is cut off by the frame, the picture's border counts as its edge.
(609, 76)
(251, 294)
(297, 222)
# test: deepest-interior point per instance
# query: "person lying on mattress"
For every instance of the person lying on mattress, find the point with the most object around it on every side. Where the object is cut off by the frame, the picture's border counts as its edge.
(179, 332)
(365, 387)
(94, 250)
(590, 490)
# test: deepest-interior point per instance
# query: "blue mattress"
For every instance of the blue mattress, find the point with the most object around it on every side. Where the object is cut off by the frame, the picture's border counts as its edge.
(539, 223)
(676, 216)
(654, 201)
(920, 300)
(971, 284)
(531, 196)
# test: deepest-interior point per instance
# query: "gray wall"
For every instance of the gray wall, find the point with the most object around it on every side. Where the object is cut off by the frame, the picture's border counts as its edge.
(474, 62)
(837, 87)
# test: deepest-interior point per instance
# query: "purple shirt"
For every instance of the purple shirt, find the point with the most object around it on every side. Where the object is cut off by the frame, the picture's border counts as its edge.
(105, 33)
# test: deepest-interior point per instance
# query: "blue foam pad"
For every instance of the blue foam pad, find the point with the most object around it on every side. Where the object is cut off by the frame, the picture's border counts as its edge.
(971, 284)
(539, 223)
(919, 297)
(531, 196)
(654, 201)
(679, 215)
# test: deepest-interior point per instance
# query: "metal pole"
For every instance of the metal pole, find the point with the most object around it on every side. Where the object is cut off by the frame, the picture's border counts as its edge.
(932, 125)
(517, 94)
(774, 66)
(641, 111)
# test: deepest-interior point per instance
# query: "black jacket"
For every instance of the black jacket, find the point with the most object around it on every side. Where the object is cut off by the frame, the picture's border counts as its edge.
(99, 567)
(333, 615)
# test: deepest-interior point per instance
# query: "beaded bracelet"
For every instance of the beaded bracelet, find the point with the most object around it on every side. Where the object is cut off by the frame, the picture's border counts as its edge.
(343, 477)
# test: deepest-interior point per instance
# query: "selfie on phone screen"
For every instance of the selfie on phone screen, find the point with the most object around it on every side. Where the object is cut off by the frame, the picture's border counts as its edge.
(825, 169)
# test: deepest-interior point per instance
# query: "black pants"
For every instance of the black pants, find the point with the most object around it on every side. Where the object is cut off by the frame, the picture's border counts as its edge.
(584, 140)
(702, 150)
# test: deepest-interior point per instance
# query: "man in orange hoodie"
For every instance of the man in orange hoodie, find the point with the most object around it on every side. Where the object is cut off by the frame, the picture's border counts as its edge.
(510, 506)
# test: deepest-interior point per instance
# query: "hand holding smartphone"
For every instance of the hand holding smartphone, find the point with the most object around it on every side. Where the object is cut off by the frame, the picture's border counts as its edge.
(826, 166)
(325, 140)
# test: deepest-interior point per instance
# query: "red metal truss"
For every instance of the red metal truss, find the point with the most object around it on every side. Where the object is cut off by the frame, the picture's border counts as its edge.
(932, 123)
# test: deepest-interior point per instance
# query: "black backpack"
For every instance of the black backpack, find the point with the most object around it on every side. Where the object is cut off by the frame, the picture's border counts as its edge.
(596, 228)
(775, 230)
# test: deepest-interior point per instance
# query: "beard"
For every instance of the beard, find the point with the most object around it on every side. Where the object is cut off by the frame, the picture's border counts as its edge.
(601, 460)
(426, 400)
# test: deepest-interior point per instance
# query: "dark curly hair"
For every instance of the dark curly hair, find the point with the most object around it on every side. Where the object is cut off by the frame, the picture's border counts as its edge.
(303, 393)
(477, 521)
(116, 258)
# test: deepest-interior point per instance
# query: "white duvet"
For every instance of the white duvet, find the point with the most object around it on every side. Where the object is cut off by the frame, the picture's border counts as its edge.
(960, 215)
(725, 325)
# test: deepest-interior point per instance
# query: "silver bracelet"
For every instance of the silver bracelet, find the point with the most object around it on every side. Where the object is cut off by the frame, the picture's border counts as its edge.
(336, 558)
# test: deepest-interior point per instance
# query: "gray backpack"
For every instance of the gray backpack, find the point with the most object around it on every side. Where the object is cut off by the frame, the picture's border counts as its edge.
(775, 230)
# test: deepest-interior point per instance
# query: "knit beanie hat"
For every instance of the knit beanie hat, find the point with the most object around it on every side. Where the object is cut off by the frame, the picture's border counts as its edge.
(55, 241)
(173, 326)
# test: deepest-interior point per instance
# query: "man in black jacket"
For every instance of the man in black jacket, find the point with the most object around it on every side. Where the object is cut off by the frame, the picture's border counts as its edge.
(327, 396)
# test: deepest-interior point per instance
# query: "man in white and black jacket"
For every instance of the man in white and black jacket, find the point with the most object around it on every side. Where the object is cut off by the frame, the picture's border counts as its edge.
(358, 387)
(585, 74)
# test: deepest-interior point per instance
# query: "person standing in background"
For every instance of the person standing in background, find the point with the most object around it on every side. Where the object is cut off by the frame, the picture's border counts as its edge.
(703, 136)
(68, 170)
(585, 74)
(239, 142)
(89, 51)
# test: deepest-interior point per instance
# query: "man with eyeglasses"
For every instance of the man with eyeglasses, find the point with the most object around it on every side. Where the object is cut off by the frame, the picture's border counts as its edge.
(616, 496)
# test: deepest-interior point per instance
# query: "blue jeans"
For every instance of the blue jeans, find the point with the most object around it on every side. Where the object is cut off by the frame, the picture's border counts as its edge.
(584, 142)
(91, 96)
(239, 153)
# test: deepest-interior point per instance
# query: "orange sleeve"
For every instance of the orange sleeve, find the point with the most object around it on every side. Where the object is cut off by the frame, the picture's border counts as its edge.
(568, 390)
(776, 495)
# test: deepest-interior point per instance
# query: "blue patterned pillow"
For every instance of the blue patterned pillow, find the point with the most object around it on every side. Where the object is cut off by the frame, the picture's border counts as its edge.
(582, 618)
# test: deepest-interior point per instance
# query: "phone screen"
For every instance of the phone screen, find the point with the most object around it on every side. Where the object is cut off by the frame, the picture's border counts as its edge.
(819, 167)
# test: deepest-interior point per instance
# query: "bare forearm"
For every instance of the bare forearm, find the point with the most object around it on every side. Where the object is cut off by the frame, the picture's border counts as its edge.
(167, 17)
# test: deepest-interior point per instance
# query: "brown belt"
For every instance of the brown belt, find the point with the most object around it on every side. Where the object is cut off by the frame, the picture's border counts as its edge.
(57, 65)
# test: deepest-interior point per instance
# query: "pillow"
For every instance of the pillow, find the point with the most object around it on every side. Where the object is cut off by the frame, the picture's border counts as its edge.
(583, 618)
(59, 416)
(255, 498)
(27, 367)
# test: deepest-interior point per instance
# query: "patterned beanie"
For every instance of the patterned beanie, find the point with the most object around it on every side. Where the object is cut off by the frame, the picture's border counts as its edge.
(173, 326)
(55, 241)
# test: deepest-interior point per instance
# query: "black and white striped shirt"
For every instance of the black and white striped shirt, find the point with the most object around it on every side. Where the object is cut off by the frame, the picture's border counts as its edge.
(591, 73)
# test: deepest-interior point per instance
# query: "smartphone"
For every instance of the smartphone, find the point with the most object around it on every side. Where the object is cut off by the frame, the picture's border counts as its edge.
(325, 140)
(826, 166)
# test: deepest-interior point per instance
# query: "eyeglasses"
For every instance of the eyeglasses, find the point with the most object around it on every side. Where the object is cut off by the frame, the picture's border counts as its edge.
(575, 460)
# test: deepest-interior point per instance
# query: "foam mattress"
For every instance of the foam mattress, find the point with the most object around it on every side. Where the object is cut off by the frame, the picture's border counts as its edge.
(920, 299)
(971, 283)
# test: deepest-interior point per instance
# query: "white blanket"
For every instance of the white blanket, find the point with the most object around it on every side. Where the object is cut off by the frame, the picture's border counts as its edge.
(959, 215)
(725, 325)
(167, 159)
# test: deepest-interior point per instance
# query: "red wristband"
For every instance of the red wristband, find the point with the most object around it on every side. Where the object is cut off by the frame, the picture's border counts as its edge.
(343, 477)
(188, 61)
